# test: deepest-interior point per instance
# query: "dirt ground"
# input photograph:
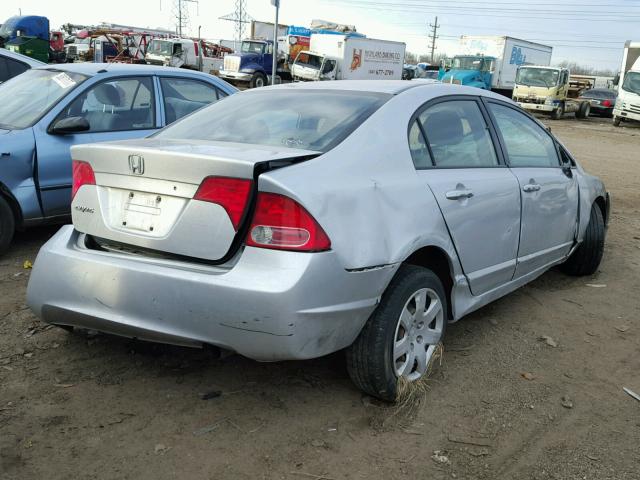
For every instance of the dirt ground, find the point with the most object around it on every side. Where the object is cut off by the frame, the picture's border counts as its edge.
(73, 406)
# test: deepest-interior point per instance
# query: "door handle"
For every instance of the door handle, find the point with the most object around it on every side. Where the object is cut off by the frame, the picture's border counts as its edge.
(459, 194)
(531, 187)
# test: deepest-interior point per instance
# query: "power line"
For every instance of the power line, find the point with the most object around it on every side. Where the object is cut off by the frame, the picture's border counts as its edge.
(433, 36)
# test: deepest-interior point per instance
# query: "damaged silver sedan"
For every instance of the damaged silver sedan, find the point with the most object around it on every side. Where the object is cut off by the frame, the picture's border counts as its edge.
(294, 221)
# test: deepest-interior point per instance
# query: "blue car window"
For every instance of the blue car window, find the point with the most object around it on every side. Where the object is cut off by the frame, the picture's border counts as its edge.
(116, 105)
(183, 96)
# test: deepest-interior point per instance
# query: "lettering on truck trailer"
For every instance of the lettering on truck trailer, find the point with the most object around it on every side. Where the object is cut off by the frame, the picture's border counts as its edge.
(517, 57)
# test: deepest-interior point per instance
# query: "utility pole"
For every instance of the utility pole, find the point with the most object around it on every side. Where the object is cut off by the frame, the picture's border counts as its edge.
(274, 53)
(433, 36)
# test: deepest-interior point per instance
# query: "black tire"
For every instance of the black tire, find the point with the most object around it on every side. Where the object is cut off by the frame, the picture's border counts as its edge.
(369, 358)
(617, 121)
(583, 111)
(7, 225)
(258, 80)
(587, 257)
(558, 113)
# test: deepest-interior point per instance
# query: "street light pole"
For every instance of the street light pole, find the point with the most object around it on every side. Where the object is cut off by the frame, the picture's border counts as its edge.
(275, 3)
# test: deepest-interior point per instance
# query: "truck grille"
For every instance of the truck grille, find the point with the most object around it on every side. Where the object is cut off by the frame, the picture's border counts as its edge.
(634, 108)
(72, 50)
(155, 62)
(232, 63)
(535, 100)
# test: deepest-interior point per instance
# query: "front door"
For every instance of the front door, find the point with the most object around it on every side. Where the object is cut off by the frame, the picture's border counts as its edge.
(548, 188)
(117, 109)
(477, 194)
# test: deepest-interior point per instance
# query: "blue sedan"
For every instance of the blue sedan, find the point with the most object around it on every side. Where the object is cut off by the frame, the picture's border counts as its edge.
(46, 110)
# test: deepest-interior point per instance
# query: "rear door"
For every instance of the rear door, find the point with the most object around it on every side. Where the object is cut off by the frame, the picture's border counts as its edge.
(548, 189)
(116, 108)
(453, 149)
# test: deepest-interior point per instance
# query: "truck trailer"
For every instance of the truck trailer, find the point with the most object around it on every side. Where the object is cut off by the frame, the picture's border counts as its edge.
(627, 105)
(491, 62)
(349, 57)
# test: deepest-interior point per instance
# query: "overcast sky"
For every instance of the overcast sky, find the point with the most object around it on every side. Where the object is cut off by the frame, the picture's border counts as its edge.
(590, 32)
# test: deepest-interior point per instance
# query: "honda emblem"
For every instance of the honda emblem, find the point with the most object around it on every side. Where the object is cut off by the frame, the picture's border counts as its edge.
(136, 164)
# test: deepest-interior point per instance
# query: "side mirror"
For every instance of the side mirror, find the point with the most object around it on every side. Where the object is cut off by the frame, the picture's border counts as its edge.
(70, 125)
(616, 79)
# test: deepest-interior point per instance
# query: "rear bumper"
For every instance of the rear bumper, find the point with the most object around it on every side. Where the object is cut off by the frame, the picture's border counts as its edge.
(270, 305)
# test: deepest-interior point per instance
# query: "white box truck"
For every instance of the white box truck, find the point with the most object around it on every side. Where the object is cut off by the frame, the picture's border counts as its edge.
(349, 57)
(491, 62)
(627, 105)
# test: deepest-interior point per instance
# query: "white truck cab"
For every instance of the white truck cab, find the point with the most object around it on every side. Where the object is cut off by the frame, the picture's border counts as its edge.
(627, 105)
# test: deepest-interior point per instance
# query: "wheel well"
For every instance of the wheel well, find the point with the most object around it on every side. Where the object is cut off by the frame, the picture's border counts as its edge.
(603, 208)
(436, 260)
(13, 204)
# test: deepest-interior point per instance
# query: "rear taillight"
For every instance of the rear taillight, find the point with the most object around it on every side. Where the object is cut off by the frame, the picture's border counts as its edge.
(82, 175)
(606, 103)
(231, 194)
(281, 223)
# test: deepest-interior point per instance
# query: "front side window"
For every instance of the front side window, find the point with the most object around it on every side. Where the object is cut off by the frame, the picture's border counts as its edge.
(183, 96)
(116, 105)
(28, 97)
(527, 143)
(312, 120)
(458, 135)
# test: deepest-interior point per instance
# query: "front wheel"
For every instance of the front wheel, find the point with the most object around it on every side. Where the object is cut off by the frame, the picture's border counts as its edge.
(617, 121)
(586, 259)
(402, 335)
(258, 80)
(558, 113)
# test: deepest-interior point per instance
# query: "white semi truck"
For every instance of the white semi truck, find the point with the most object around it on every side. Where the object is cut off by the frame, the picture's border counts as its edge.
(627, 105)
(349, 57)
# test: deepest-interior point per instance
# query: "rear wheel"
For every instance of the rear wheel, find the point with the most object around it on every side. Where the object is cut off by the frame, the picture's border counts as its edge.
(7, 225)
(258, 80)
(584, 110)
(558, 113)
(586, 259)
(402, 335)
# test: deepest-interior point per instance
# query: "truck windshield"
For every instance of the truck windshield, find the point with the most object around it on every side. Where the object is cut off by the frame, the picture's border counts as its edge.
(25, 98)
(537, 77)
(307, 60)
(632, 82)
(467, 63)
(7, 29)
(160, 47)
(306, 119)
(252, 47)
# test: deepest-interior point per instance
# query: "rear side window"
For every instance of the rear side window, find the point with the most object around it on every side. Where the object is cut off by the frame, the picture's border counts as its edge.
(183, 96)
(4, 70)
(527, 143)
(314, 120)
(16, 68)
(418, 147)
(458, 136)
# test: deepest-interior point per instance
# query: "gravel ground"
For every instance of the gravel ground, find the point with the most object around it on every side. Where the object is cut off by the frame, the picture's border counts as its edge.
(503, 404)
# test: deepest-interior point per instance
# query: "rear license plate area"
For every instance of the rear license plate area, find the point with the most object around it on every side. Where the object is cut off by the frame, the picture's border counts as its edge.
(141, 211)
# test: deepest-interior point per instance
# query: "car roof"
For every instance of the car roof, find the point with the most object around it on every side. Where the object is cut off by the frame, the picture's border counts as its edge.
(32, 62)
(90, 68)
(392, 87)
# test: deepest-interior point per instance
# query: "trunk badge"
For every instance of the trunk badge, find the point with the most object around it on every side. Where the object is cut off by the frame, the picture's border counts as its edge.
(136, 164)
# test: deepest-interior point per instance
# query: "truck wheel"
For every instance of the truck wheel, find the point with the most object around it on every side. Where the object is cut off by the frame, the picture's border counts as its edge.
(617, 121)
(401, 336)
(584, 110)
(258, 80)
(586, 258)
(7, 225)
(558, 113)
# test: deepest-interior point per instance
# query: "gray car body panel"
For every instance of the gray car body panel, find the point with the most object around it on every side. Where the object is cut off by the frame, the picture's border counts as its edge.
(271, 305)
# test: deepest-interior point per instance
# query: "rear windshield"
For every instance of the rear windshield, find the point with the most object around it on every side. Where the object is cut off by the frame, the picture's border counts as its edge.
(599, 93)
(304, 119)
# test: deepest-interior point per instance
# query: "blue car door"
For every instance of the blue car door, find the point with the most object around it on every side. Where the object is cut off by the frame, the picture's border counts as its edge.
(117, 108)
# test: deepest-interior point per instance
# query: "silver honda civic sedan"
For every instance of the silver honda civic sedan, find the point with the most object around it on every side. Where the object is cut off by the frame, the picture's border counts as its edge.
(293, 221)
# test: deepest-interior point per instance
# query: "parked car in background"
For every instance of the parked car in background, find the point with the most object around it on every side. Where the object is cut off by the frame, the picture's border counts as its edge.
(602, 101)
(48, 109)
(250, 226)
(13, 64)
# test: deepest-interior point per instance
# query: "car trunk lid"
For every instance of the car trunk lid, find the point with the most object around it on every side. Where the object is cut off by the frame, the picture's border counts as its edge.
(147, 193)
